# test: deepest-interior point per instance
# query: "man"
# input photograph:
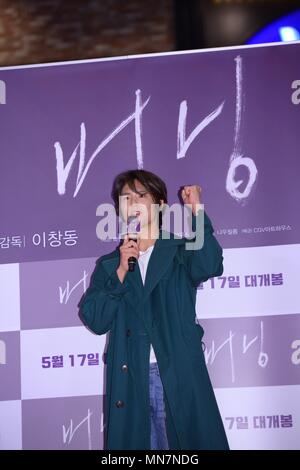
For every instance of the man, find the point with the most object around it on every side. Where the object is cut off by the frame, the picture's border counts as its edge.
(158, 392)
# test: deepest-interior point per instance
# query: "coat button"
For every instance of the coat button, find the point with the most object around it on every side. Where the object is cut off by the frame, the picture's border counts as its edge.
(128, 332)
(124, 368)
(120, 404)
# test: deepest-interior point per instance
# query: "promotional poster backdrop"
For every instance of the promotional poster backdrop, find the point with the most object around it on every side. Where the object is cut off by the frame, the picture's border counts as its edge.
(226, 119)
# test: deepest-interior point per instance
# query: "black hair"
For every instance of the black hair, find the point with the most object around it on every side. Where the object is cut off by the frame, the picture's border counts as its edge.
(153, 184)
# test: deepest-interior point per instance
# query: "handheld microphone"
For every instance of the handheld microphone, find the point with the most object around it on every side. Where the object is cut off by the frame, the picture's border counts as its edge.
(133, 229)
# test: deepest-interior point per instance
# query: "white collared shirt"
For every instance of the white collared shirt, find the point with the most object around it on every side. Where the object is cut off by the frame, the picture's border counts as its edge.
(143, 261)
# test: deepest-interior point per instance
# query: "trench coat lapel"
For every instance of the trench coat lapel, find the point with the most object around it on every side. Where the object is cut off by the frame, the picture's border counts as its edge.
(159, 262)
(164, 250)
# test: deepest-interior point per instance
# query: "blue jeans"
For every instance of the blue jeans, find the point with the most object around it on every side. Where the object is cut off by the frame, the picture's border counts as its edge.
(159, 440)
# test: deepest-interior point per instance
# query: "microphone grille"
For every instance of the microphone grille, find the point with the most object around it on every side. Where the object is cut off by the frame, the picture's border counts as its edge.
(133, 224)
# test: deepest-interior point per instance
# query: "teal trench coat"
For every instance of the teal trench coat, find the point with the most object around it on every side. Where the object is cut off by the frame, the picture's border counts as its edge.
(161, 313)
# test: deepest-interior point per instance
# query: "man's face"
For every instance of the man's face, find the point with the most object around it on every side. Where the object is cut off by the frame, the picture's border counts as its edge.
(137, 204)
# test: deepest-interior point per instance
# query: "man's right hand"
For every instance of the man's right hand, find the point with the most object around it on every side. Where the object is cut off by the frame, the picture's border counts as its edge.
(127, 249)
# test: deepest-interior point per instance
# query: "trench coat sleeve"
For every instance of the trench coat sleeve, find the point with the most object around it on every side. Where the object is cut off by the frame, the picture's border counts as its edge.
(100, 303)
(207, 261)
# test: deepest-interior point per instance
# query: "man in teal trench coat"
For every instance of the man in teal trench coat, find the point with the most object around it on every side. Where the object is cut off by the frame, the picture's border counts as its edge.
(161, 313)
